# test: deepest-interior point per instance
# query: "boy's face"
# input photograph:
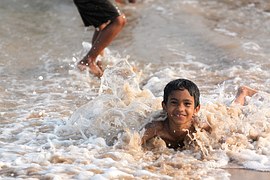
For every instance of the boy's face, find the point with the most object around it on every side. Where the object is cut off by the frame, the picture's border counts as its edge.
(180, 107)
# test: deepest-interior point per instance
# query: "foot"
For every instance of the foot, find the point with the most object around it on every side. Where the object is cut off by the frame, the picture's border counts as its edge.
(82, 65)
(93, 67)
(246, 91)
(99, 64)
(242, 92)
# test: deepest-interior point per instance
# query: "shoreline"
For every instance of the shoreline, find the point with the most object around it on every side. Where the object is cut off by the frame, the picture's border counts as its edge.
(247, 174)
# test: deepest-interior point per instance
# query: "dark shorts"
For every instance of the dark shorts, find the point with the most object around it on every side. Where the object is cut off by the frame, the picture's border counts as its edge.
(96, 12)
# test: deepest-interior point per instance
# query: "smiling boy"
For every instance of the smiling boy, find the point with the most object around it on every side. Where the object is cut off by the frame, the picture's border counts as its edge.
(181, 102)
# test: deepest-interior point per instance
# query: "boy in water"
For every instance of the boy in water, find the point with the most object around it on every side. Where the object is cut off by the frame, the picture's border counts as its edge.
(181, 102)
(108, 21)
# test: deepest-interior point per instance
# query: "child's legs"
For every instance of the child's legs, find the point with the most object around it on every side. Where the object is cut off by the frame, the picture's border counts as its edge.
(105, 36)
(102, 38)
(97, 33)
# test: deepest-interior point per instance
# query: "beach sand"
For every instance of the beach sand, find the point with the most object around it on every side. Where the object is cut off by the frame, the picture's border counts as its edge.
(244, 174)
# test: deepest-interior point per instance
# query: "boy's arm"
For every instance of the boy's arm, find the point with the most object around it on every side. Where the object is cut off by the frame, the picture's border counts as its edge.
(151, 131)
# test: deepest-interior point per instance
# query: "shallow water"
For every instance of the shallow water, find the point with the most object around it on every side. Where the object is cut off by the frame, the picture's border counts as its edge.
(57, 122)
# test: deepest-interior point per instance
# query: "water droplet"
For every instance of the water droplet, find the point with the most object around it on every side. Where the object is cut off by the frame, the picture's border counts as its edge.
(74, 59)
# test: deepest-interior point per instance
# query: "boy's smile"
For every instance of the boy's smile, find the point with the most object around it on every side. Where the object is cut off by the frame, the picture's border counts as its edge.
(180, 108)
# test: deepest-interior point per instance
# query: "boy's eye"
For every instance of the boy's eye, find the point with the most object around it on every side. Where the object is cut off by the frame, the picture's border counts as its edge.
(188, 104)
(174, 102)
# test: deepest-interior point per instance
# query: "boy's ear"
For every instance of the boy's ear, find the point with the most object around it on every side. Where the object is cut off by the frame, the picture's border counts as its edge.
(197, 109)
(163, 105)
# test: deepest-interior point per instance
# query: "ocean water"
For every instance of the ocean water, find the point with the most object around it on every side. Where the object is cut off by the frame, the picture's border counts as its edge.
(59, 123)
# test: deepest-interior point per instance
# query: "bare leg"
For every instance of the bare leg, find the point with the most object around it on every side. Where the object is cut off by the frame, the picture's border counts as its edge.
(242, 92)
(84, 62)
(95, 35)
(103, 38)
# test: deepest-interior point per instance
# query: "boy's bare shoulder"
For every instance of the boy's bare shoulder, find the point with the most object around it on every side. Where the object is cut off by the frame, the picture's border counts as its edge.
(158, 125)
(152, 129)
(203, 125)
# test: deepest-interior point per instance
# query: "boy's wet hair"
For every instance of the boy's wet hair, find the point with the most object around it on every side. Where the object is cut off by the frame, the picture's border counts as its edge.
(182, 84)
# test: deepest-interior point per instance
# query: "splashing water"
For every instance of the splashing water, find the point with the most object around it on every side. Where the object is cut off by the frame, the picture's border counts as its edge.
(59, 123)
(239, 136)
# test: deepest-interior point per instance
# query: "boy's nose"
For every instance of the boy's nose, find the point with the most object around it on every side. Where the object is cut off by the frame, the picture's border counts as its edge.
(181, 107)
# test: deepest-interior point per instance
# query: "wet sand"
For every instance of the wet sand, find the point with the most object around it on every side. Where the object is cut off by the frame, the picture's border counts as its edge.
(244, 174)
